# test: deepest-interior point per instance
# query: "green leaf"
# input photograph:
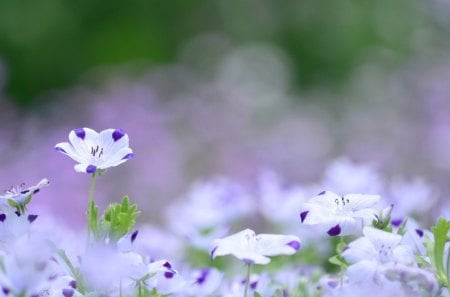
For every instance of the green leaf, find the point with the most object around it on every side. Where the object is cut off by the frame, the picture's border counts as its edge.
(339, 261)
(440, 232)
(119, 219)
(256, 294)
(92, 214)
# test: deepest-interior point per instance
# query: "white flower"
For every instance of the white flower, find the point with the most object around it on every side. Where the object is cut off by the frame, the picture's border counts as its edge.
(340, 215)
(376, 249)
(96, 151)
(19, 196)
(254, 249)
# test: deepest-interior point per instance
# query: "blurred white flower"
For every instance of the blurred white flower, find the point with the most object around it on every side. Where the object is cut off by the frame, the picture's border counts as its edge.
(254, 249)
(339, 215)
(96, 151)
(377, 248)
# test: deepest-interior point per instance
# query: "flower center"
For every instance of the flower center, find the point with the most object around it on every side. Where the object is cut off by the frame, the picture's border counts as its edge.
(385, 253)
(341, 202)
(96, 151)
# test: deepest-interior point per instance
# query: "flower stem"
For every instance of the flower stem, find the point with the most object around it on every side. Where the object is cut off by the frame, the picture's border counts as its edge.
(92, 212)
(247, 280)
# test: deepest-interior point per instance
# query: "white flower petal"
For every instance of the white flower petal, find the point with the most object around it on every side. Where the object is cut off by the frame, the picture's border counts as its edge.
(362, 271)
(360, 201)
(67, 149)
(275, 244)
(358, 250)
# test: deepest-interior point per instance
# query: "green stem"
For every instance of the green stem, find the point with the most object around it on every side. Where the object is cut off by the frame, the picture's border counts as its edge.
(92, 210)
(247, 280)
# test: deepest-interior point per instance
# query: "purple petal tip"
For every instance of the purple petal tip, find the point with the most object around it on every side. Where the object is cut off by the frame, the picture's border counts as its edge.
(118, 134)
(2, 217)
(294, 244)
(91, 169)
(396, 222)
(248, 261)
(303, 215)
(213, 251)
(32, 218)
(68, 292)
(168, 274)
(134, 235)
(321, 193)
(80, 133)
(128, 156)
(419, 232)
(58, 149)
(334, 231)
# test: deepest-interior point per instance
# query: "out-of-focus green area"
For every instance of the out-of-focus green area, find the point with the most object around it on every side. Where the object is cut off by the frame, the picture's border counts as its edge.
(50, 44)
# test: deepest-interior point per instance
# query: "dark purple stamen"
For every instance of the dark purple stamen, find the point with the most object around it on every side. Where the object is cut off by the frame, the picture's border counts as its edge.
(91, 169)
(321, 193)
(134, 235)
(248, 261)
(118, 134)
(253, 285)
(303, 215)
(73, 284)
(294, 244)
(58, 149)
(128, 156)
(80, 133)
(32, 218)
(17, 213)
(168, 274)
(2, 217)
(68, 292)
(334, 231)
(419, 232)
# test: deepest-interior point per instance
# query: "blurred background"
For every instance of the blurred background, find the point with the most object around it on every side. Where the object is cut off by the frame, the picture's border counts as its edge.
(224, 87)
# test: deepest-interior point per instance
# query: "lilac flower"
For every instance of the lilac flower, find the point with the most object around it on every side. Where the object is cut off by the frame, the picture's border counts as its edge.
(339, 215)
(254, 249)
(96, 151)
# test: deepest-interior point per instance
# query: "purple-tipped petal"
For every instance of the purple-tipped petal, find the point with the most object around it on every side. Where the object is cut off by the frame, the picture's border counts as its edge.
(134, 235)
(167, 265)
(253, 285)
(91, 169)
(294, 244)
(419, 232)
(32, 218)
(334, 231)
(118, 134)
(80, 133)
(17, 213)
(168, 274)
(321, 193)
(128, 156)
(2, 217)
(58, 149)
(303, 215)
(68, 292)
(5, 290)
(248, 261)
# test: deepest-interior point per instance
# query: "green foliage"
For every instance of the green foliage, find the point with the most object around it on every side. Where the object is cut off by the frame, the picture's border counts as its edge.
(337, 258)
(118, 219)
(437, 252)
